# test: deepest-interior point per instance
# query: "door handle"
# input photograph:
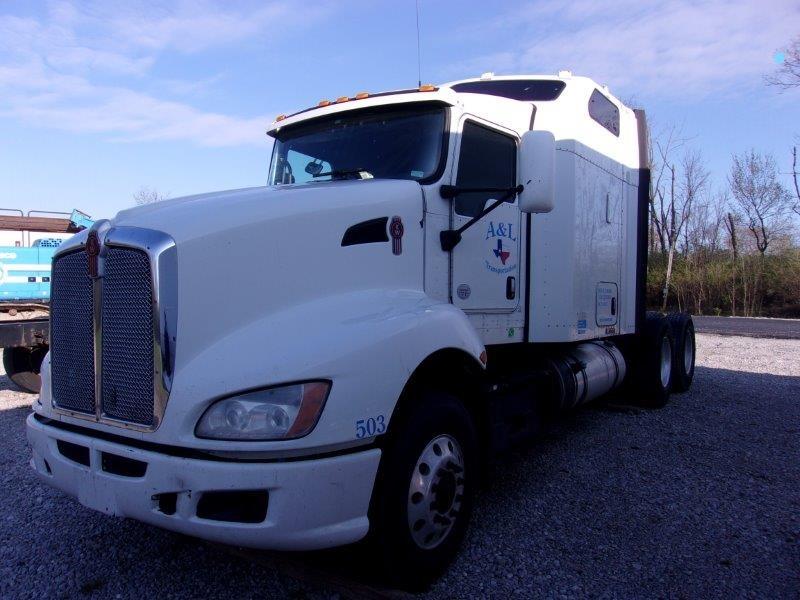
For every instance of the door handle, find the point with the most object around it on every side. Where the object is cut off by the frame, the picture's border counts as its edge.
(511, 288)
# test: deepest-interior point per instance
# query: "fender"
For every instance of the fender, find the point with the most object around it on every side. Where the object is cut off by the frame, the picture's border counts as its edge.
(368, 343)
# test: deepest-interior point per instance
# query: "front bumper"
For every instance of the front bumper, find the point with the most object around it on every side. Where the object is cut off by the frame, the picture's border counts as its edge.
(312, 504)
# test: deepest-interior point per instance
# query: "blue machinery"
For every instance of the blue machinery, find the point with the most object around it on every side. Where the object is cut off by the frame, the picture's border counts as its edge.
(25, 286)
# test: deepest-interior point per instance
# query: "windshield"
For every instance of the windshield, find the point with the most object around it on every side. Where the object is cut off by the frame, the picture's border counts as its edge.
(384, 143)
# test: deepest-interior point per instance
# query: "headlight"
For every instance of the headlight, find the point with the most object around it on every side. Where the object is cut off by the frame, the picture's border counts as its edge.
(279, 413)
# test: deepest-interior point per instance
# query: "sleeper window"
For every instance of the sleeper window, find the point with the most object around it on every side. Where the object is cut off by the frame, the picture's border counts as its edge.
(605, 112)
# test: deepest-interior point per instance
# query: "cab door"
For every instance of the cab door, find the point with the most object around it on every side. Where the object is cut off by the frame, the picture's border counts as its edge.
(485, 264)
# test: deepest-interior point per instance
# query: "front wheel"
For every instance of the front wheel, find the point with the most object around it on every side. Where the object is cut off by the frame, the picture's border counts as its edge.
(423, 495)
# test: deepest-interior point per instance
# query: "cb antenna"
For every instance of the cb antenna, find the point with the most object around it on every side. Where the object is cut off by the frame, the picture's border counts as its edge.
(419, 56)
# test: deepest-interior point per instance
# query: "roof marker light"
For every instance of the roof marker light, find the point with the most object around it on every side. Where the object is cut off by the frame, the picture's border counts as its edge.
(324, 102)
(280, 118)
(341, 99)
(487, 75)
(362, 95)
(427, 87)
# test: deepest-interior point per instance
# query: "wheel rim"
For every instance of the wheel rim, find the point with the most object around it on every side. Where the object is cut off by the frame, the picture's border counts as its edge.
(436, 492)
(666, 361)
(688, 352)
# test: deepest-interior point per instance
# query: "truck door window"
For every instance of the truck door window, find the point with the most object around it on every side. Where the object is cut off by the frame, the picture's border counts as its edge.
(488, 158)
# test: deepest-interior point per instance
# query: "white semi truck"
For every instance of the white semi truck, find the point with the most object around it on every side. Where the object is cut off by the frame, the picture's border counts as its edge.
(426, 275)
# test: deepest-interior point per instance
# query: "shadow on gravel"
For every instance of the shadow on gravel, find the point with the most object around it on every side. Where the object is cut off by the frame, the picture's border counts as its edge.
(7, 384)
(696, 499)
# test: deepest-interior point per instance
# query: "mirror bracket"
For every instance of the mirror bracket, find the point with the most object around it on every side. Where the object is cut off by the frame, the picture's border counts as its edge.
(450, 238)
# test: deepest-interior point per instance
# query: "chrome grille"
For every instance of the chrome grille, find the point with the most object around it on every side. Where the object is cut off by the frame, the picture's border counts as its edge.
(72, 334)
(127, 336)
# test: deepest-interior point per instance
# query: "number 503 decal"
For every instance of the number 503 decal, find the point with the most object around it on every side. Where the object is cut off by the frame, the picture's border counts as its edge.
(370, 427)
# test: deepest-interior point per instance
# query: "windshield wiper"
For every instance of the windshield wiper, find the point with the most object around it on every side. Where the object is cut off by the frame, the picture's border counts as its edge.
(345, 174)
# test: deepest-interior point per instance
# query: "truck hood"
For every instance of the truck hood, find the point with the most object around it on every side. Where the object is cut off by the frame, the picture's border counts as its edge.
(245, 255)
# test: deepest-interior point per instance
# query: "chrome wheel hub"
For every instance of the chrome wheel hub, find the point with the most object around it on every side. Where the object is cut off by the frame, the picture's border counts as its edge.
(436, 492)
(666, 361)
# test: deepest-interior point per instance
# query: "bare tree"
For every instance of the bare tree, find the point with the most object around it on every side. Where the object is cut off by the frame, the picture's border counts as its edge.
(147, 195)
(662, 190)
(761, 197)
(703, 230)
(731, 222)
(692, 185)
(676, 201)
(796, 206)
(787, 75)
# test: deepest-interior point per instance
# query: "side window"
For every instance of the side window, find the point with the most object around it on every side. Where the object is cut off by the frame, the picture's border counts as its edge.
(605, 112)
(488, 158)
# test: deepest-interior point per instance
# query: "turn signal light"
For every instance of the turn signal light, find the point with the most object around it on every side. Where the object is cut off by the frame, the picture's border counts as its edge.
(362, 95)
(341, 99)
(324, 103)
(427, 87)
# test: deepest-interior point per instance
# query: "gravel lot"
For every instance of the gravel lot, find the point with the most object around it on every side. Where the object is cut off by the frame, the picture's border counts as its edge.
(700, 499)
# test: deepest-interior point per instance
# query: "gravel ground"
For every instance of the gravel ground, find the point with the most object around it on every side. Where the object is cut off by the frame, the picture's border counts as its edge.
(700, 499)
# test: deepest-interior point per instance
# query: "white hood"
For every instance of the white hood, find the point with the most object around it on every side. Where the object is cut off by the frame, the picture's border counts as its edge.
(247, 254)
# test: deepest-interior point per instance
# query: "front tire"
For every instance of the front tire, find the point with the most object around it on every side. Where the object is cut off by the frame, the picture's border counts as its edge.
(424, 492)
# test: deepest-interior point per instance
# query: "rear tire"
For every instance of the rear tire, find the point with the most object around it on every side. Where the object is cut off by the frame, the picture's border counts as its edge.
(685, 350)
(22, 366)
(423, 495)
(654, 365)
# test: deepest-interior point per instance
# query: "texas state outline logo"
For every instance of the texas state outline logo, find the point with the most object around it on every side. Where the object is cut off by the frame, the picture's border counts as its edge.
(501, 242)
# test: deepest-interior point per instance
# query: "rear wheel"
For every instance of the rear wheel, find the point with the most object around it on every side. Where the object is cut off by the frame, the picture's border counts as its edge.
(22, 366)
(423, 496)
(654, 364)
(684, 356)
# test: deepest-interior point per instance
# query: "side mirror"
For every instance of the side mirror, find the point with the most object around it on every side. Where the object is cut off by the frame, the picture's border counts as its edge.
(537, 171)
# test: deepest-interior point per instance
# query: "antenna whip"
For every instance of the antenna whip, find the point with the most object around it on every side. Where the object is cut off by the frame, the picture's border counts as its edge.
(419, 57)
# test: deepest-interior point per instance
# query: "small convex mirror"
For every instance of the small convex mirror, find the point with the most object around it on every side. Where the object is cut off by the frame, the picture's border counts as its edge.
(537, 171)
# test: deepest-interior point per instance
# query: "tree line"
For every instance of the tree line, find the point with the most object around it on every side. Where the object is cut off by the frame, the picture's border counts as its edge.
(731, 251)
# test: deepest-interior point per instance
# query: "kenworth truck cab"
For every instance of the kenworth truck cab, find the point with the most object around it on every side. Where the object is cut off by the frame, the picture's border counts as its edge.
(427, 274)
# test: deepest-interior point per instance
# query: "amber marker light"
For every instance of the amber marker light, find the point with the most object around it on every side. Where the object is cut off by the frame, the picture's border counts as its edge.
(324, 103)
(427, 87)
(341, 99)
(362, 95)
(280, 118)
(314, 396)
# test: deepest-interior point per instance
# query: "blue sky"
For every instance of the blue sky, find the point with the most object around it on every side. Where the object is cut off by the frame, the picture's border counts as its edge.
(100, 98)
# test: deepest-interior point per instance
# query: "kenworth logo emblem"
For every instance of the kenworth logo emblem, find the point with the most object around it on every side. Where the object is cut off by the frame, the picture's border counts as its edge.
(396, 231)
(92, 253)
